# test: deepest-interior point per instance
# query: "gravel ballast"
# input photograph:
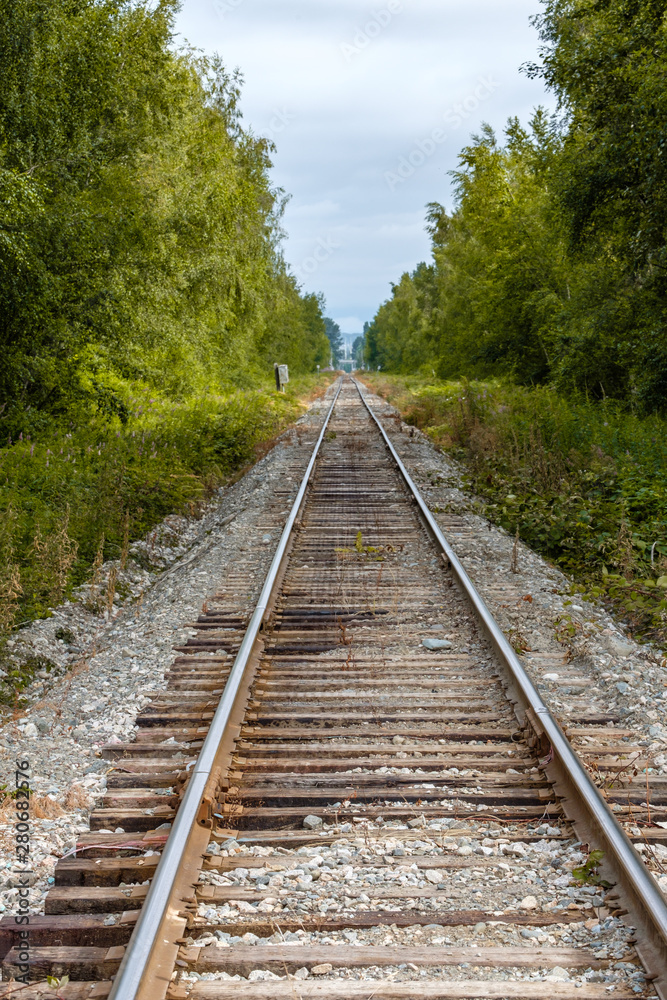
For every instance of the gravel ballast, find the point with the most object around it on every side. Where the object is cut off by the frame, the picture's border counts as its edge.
(107, 669)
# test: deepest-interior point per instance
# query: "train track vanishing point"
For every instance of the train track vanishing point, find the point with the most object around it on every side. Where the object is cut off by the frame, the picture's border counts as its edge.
(354, 792)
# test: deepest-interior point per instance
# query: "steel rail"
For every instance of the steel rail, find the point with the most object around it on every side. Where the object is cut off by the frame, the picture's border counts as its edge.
(648, 906)
(128, 980)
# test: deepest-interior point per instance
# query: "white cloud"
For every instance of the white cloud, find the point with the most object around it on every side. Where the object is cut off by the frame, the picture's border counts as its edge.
(318, 210)
(350, 324)
(341, 122)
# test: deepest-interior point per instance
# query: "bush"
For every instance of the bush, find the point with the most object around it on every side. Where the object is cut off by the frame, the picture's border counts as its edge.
(583, 483)
(62, 493)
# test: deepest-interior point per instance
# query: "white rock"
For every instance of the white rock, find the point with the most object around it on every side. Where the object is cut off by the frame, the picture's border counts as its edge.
(618, 646)
(312, 822)
(322, 970)
(557, 975)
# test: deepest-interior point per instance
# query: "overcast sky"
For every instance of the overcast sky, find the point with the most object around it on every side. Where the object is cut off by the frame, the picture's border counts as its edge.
(368, 104)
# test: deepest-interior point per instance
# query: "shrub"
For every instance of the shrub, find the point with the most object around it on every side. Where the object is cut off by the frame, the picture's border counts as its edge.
(62, 493)
(583, 483)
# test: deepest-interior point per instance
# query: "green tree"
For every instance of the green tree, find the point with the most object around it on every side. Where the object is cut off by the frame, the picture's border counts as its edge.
(358, 349)
(139, 230)
(552, 266)
(335, 339)
(607, 62)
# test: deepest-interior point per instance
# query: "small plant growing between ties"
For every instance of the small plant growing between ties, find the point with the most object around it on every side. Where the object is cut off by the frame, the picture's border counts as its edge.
(57, 984)
(587, 874)
(366, 550)
(519, 643)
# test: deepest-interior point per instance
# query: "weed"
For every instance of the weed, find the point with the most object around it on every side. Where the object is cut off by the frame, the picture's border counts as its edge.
(52, 556)
(518, 641)
(583, 483)
(60, 492)
(57, 983)
(97, 568)
(10, 594)
(587, 874)
(41, 806)
(77, 797)
(19, 676)
(126, 541)
(7, 793)
(365, 550)
(111, 589)
(514, 562)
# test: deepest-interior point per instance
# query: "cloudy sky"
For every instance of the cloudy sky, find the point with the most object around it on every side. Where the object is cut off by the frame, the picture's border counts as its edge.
(368, 103)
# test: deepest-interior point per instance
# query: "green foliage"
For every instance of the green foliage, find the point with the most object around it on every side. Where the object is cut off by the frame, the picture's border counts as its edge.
(587, 874)
(17, 677)
(552, 268)
(143, 292)
(61, 493)
(395, 340)
(551, 273)
(358, 349)
(335, 338)
(139, 232)
(583, 483)
(606, 64)
(486, 304)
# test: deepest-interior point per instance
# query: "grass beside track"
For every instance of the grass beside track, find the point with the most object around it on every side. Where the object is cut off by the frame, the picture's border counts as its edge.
(583, 483)
(76, 496)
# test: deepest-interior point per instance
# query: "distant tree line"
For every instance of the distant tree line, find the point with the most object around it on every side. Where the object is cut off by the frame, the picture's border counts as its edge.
(552, 267)
(335, 337)
(337, 343)
(139, 231)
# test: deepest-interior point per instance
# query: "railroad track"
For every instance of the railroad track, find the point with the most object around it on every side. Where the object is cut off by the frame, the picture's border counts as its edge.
(339, 810)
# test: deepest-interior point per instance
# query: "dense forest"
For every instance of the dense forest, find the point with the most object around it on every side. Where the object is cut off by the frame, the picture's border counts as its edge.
(533, 344)
(143, 292)
(552, 266)
(140, 238)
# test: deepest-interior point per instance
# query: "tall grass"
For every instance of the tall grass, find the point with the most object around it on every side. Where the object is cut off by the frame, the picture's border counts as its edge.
(584, 483)
(88, 491)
